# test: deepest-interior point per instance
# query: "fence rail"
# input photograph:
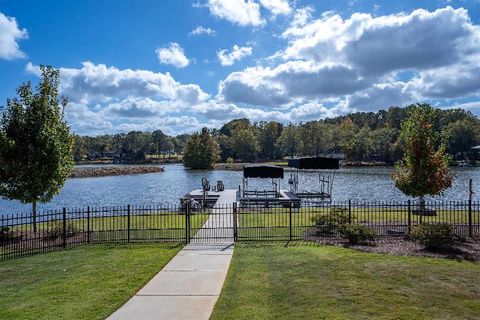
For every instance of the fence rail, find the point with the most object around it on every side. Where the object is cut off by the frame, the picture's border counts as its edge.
(22, 234)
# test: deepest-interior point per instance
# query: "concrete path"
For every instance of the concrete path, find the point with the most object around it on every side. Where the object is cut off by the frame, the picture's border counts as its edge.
(189, 285)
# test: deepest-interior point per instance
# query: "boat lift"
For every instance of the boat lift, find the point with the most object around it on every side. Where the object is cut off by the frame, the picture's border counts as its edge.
(266, 172)
(325, 167)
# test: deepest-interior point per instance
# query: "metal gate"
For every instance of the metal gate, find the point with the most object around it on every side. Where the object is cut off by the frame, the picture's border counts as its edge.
(217, 224)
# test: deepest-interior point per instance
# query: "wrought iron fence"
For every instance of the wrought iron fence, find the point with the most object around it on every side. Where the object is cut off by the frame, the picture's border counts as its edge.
(22, 234)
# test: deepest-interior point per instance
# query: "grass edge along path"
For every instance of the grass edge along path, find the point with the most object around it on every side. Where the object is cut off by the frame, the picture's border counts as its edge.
(278, 281)
(86, 282)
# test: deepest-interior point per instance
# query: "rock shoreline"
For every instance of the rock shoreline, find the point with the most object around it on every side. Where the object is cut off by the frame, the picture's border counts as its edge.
(113, 171)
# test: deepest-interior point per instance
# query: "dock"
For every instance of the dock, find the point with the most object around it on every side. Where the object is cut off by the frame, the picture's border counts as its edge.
(229, 196)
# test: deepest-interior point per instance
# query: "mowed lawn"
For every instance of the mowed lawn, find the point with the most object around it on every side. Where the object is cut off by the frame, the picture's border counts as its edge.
(277, 281)
(87, 282)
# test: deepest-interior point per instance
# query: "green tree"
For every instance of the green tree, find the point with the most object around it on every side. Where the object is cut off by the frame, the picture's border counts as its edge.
(35, 143)
(289, 141)
(80, 150)
(268, 136)
(245, 144)
(424, 169)
(201, 151)
(462, 136)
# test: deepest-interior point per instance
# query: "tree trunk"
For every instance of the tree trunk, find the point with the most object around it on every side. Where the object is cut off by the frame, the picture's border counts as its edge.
(34, 216)
(422, 207)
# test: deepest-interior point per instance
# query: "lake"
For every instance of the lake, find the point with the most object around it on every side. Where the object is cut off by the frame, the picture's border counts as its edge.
(355, 183)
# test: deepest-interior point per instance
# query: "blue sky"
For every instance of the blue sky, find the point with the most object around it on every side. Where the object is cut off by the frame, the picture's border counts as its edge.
(180, 65)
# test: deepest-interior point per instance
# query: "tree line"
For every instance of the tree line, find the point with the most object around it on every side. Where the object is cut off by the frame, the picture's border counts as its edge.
(360, 136)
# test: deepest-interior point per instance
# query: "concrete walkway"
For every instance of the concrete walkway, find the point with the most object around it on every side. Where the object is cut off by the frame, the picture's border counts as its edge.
(189, 285)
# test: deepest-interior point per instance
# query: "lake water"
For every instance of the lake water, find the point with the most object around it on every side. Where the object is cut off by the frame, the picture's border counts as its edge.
(363, 184)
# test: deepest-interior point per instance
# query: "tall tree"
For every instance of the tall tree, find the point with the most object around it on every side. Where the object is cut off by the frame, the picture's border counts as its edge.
(424, 169)
(35, 143)
(289, 141)
(201, 151)
(245, 144)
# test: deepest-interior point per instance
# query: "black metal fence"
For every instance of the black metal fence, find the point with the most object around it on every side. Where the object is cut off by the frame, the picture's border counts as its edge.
(22, 234)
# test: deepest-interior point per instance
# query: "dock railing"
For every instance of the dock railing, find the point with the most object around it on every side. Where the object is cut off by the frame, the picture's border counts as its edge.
(20, 234)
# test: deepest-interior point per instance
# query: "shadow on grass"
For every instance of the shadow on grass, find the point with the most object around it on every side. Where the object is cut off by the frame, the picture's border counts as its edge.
(276, 244)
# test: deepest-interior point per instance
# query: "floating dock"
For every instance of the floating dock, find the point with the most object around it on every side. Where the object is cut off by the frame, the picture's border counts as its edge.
(211, 197)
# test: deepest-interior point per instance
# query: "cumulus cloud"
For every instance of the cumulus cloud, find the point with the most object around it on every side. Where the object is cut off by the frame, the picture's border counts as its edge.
(237, 53)
(241, 12)
(10, 33)
(419, 40)
(98, 83)
(277, 7)
(289, 81)
(172, 54)
(199, 30)
(100, 95)
(455, 81)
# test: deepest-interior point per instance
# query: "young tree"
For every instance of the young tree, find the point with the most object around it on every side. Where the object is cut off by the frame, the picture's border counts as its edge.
(201, 151)
(424, 168)
(35, 143)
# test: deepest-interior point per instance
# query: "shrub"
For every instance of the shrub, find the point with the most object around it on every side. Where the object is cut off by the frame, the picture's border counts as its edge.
(56, 230)
(433, 236)
(357, 233)
(7, 235)
(229, 160)
(331, 222)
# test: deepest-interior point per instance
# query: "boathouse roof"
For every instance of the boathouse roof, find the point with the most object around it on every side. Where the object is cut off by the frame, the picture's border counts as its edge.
(262, 171)
(314, 163)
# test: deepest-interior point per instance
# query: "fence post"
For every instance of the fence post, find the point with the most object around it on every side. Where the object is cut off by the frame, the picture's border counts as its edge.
(349, 211)
(187, 222)
(235, 227)
(64, 235)
(88, 224)
(290, 220)
(128, 223)
(470, 226)
(409, 217)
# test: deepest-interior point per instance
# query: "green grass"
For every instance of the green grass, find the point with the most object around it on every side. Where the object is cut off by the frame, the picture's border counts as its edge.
(275, 223)
(277, 281)
(87, 282)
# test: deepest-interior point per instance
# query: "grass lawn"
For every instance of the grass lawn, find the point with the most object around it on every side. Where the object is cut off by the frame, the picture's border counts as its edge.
(277, 281)
(87, 282)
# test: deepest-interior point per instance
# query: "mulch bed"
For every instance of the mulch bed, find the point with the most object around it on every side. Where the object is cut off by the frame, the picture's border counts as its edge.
(401, 246)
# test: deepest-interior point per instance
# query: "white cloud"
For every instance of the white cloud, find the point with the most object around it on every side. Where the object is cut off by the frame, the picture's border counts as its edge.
(199, 30)
(419, 40)
(241, 12)
(277, 6)
(237, 53)
(289, 82)
(103, 84)
(302, 16)
(102, 97)
(10, 33)
(172, 54)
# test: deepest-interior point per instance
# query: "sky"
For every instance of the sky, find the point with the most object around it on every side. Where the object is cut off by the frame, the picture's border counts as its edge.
(179, 65)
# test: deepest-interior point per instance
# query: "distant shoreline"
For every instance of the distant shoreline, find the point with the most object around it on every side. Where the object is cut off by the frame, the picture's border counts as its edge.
(106, 171)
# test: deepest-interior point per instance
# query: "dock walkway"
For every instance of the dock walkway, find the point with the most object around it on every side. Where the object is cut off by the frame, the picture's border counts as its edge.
(190, 284)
